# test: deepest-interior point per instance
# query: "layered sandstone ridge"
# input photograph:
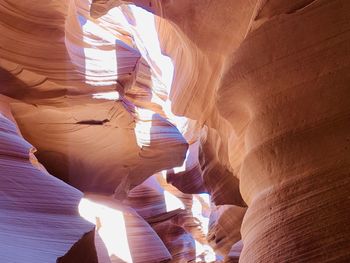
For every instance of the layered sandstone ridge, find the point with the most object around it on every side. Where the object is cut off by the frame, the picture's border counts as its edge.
(39, 216)
(281, 87)
(261, 133)
(92, 96)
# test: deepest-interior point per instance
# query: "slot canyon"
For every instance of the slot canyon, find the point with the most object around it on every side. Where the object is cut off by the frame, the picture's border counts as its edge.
(175, 131)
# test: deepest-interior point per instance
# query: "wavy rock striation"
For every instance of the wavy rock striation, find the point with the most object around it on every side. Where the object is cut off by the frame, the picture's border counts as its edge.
(261, 96)
(39, 217)
(274, 76)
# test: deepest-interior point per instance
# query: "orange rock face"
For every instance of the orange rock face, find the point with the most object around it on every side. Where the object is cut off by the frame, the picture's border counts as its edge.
(253, 167)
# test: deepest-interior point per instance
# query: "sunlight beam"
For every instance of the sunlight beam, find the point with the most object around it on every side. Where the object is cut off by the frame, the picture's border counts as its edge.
(110, 225)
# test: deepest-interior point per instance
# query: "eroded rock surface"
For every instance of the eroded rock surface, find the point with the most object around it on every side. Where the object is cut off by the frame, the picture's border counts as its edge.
(260, 89)
(39, 217)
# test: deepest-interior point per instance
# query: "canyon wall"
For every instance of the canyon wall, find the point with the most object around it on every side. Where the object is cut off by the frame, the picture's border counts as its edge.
(244, 101)
(39, 216)
(277, 74)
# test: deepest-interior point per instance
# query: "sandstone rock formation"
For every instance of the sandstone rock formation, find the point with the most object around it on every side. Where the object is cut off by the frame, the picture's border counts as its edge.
(39, 217)
(253, 167)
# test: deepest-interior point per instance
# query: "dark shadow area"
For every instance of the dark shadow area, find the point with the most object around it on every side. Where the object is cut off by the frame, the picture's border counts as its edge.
(15, 88)
(83, 251)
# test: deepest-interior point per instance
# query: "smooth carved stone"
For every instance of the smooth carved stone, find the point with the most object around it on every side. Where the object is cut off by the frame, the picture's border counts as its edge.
(293, 175)
(39, 217)
(224, 227)
(235, 252)
(60, 88)
(283, 91)
(266, 82)
(222, 185)
(180, 243)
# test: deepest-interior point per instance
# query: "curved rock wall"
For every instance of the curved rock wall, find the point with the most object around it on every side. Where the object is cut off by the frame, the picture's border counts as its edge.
(39, 217)
(262, 90)
(100, 119)
(281, 74)
(294, 174)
